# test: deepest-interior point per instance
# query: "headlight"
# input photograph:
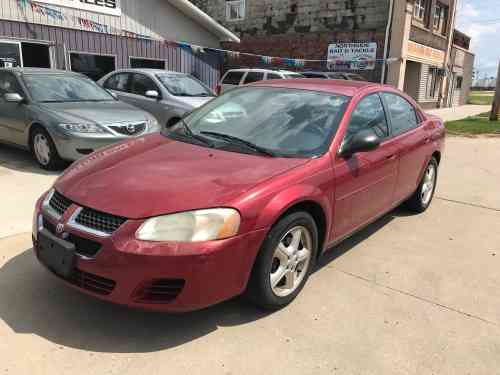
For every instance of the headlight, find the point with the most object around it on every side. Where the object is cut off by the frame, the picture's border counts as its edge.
(192, 226)
(83, 128)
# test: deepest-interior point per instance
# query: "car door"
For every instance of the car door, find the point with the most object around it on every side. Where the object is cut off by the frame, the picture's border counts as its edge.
(411, 142)
(141, 84)
(365, 181)
(13, 120)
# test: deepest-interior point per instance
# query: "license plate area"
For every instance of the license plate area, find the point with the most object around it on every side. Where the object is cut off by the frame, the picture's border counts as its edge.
(58, 255)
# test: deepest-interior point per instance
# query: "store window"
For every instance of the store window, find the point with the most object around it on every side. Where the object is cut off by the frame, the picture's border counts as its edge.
(420, 10)
(235, 10)
(93, 66)
(10, 54)
(440, 18)
(433, 83)
(138, 63)
(459, 82)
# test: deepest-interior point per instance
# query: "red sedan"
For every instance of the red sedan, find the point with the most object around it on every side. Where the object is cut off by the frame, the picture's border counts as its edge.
(242, 196)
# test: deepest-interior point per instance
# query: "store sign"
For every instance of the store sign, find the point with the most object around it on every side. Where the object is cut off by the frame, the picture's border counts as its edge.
(111, 7)
(352, 56)
(425, 54)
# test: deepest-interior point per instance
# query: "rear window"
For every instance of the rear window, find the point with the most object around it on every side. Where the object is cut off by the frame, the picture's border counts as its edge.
(233, 78)
(254, 77)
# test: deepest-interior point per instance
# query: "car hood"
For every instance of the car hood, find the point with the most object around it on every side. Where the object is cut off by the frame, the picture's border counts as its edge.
(195, 102)
(95, 112)
(154, 175)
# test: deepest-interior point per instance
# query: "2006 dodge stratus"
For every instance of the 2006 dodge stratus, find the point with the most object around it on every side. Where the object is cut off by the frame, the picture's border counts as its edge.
(242, 196)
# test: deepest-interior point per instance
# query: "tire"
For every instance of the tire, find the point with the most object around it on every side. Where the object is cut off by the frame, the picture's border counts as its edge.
(272, 264)
(422, 198)
(44, 150)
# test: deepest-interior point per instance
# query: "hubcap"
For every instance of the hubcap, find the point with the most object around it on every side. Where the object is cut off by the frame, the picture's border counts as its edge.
(290, 261)
(428, 184)
(42, 149)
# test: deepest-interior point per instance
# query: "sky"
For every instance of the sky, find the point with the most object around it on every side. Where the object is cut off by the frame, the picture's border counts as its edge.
(480, 19)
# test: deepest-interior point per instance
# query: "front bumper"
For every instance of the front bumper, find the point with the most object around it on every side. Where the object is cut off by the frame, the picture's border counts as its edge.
(196, 275)
(73, 148)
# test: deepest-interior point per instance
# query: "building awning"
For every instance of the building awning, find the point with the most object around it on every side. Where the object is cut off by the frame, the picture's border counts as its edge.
(197, 15)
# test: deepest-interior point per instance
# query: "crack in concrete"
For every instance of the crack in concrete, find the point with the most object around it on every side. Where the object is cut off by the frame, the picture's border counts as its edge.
(469, 204)
(423, 299)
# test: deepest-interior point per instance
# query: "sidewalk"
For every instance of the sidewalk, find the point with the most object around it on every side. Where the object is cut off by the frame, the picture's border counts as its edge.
(458, 113)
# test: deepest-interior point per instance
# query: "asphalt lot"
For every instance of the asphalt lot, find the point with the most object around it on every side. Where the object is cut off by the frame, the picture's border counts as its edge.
(408, 295)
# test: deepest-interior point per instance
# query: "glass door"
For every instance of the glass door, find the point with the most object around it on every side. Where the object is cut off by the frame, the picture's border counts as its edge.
(10, 54)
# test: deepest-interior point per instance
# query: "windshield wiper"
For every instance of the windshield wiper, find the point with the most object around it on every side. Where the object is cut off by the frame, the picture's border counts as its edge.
(190, 133)
(247, 144)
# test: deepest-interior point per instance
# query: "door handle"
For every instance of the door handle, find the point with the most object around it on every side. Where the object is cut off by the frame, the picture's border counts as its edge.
(427, 140)
(391, 157)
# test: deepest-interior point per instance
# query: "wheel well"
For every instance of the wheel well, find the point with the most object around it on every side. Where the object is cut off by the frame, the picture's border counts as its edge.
(316, 211)
(437, 156)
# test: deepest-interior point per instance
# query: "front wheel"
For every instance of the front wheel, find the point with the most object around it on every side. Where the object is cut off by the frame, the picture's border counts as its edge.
(284, 262)
(422, 198)
(44, 150)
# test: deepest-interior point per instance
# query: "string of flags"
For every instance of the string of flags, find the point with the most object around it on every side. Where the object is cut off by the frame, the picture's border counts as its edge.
(91, 25)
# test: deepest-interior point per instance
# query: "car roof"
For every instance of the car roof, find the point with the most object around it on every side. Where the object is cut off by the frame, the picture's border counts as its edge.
(148, 70)
(38, 71)
(347, 88)
(263, 70)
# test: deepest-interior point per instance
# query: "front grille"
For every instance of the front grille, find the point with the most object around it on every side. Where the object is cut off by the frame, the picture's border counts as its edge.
(83, 246)
(99, 221)
(129, 129)
(59, 203)
(91, 282)
(159, 291)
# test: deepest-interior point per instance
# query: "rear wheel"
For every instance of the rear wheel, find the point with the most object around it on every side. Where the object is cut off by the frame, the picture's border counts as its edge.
(284, 262)
(44, 150)
(422, 198)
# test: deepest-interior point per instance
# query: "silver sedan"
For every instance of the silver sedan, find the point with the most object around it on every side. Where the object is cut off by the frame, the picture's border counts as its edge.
(60, 115)
(165, 94)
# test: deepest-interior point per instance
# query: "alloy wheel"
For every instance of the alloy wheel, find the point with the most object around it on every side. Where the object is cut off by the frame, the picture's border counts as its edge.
(290, 261)
(42, 149)
(428, 184)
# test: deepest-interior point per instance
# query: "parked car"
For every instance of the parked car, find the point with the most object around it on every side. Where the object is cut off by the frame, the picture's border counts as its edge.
(166, 95)
(247, 203)
(238, 77)
(61, 115)
(334, 75)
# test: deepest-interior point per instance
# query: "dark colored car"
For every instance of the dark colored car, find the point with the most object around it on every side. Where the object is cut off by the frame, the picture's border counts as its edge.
(334, 75)
(242, 196)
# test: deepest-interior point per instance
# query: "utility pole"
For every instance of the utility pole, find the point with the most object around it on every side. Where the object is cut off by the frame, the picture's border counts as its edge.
(496, 101)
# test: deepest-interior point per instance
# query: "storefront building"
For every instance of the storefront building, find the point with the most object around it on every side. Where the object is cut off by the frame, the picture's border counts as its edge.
(96, 37)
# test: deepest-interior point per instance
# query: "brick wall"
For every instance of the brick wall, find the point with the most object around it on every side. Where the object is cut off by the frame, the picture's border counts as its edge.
(302, 28)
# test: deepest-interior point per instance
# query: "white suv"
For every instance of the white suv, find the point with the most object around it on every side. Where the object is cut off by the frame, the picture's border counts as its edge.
(237, 77)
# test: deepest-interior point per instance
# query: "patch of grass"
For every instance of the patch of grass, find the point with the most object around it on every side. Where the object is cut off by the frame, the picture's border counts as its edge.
(474, 125)
(481, 97)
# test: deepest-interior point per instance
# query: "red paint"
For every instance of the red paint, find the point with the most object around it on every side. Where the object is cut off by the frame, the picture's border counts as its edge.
(154, 176)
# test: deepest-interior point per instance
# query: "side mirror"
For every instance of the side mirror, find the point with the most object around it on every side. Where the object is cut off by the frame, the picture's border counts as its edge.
(112, 94)
(152, 94)
(13, 98)
(363, 141)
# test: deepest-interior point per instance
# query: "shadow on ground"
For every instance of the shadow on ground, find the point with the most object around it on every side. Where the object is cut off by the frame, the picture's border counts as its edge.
(32, 301)
(21, 160)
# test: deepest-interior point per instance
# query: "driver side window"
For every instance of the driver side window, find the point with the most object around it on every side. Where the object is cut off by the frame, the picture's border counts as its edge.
(368, 114)
(9, 85)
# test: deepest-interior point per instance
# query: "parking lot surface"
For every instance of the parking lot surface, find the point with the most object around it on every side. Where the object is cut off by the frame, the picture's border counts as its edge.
(408, 295)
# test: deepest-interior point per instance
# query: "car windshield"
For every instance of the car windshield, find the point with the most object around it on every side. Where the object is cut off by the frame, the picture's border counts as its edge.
(56, 88)
(276, 121)
(183, 85)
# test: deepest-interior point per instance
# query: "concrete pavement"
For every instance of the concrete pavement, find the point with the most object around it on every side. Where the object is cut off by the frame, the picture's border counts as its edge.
(408, 295)
(458, 113)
